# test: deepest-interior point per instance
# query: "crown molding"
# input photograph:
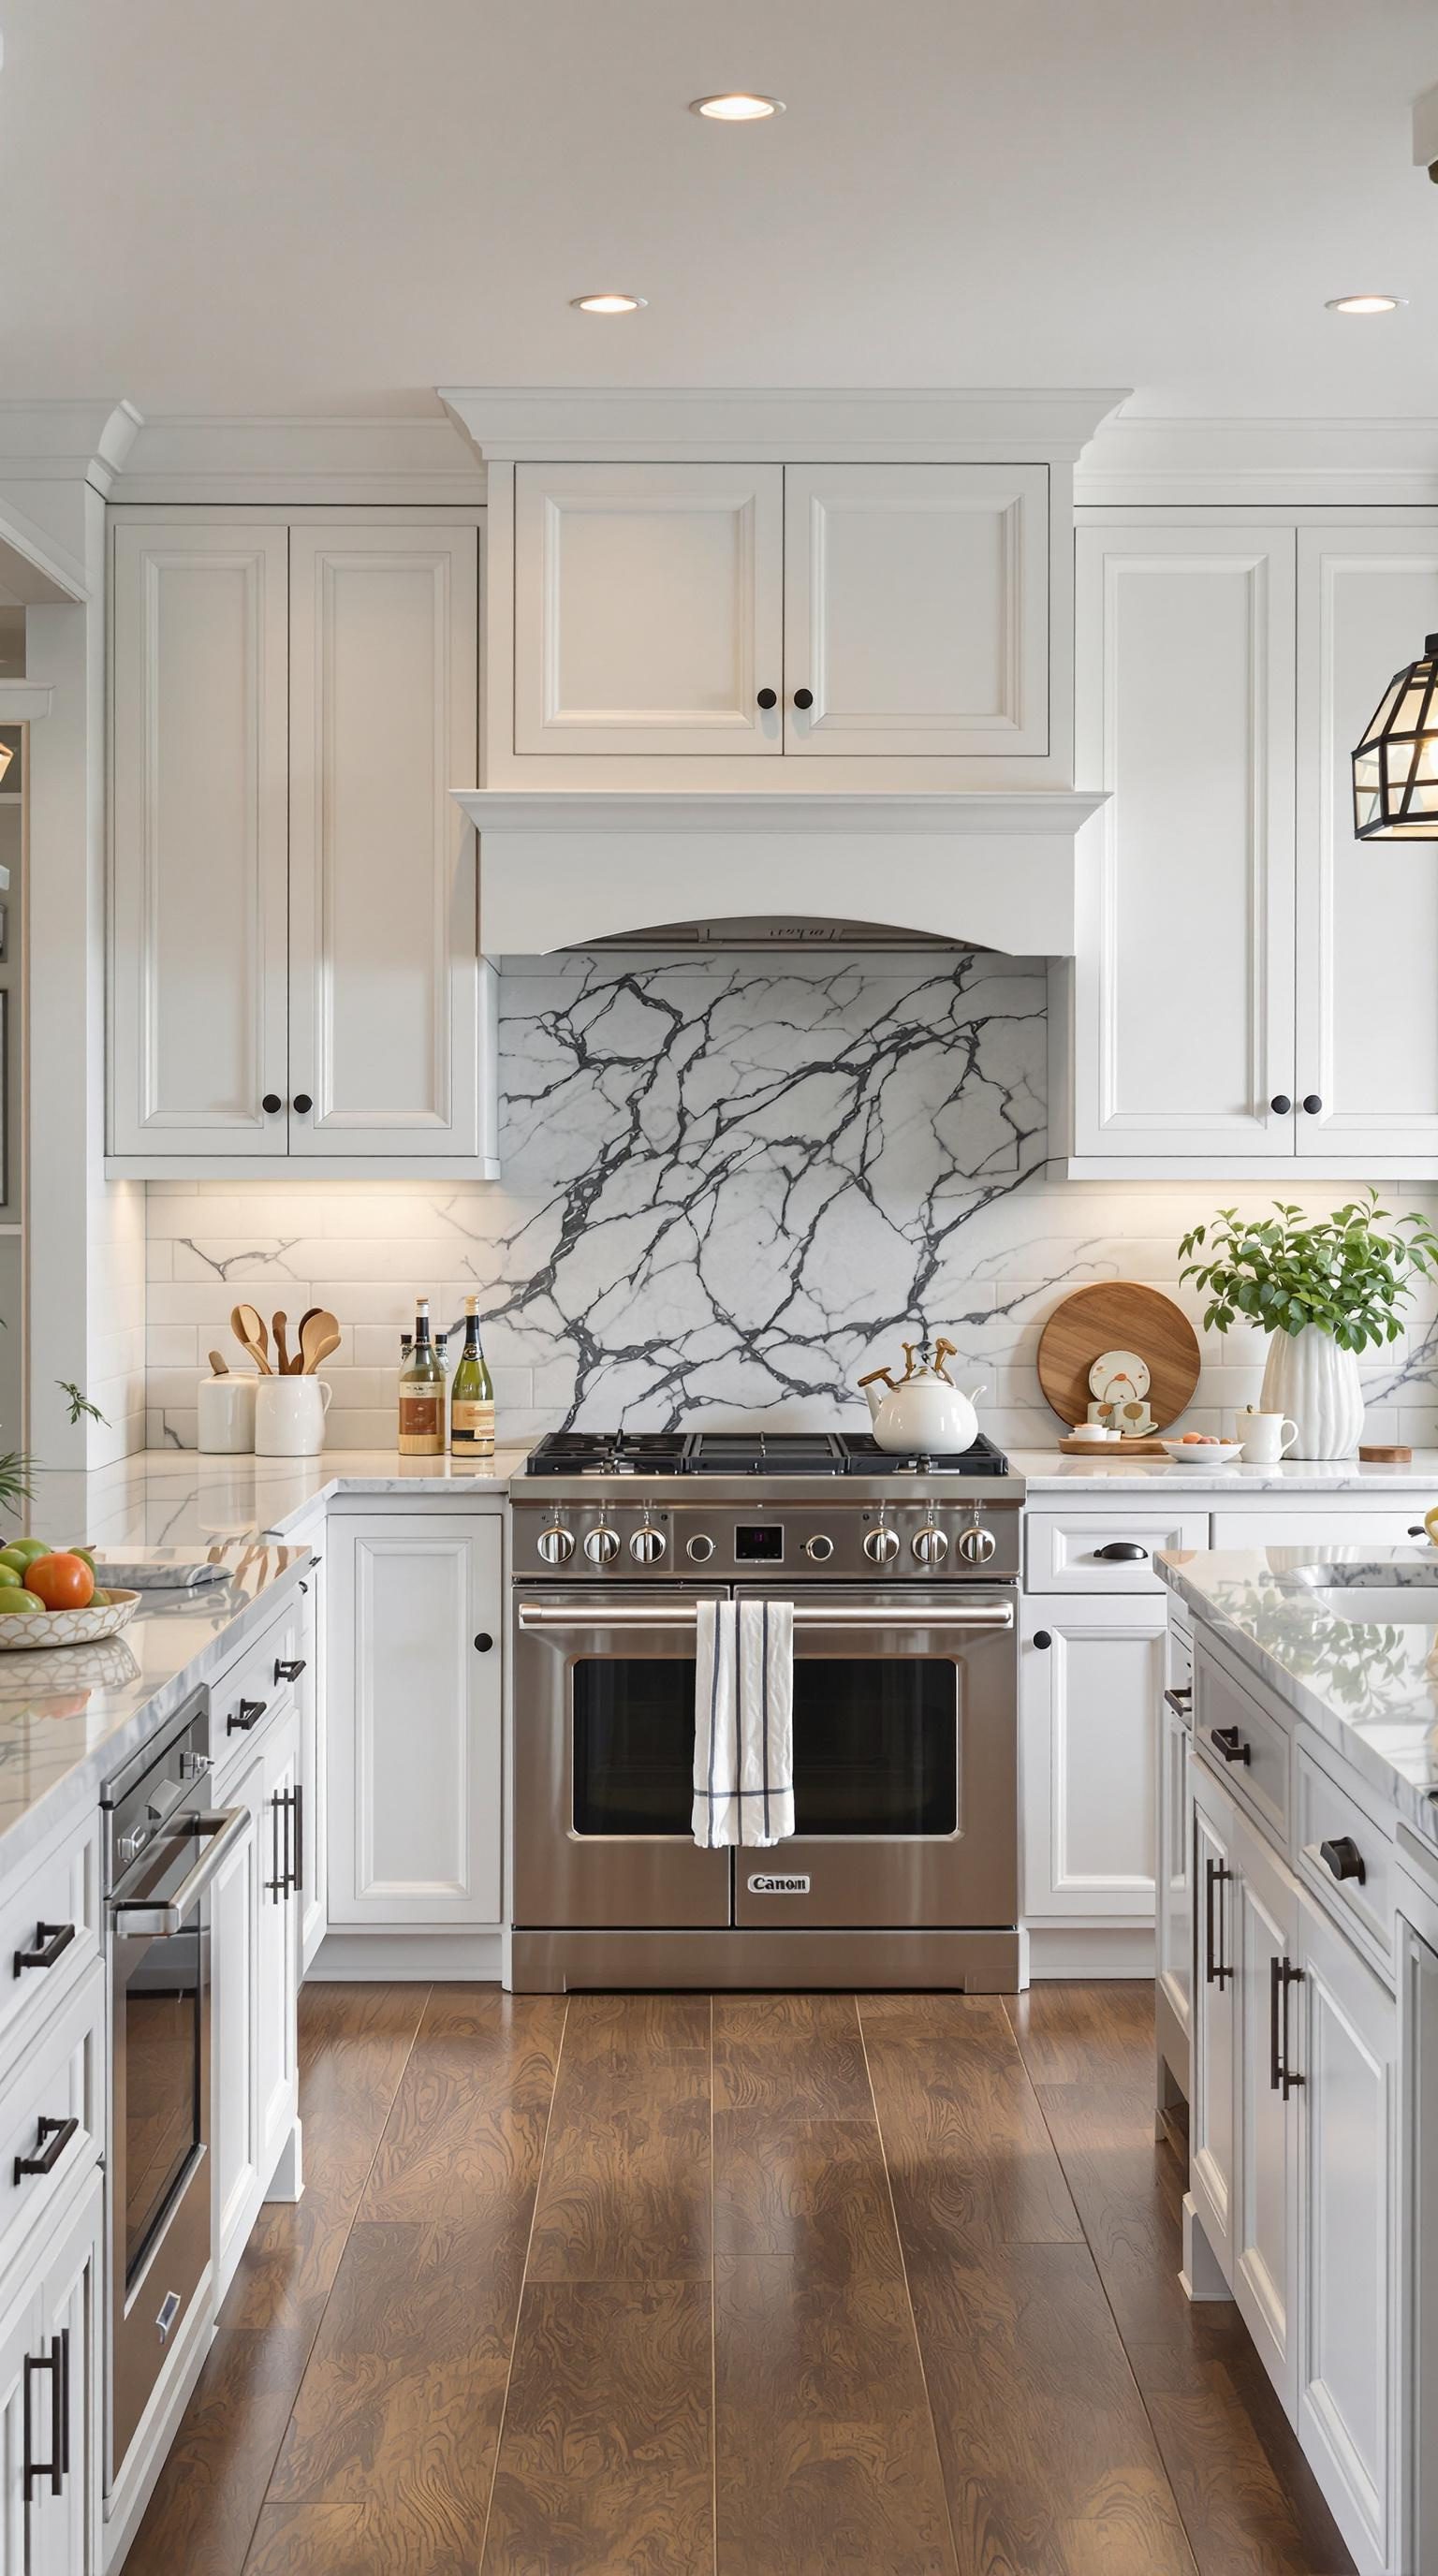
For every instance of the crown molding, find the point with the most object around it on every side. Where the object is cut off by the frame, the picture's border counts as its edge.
(1273, 462)
(54, 442)
(556, 424)
(211, 458)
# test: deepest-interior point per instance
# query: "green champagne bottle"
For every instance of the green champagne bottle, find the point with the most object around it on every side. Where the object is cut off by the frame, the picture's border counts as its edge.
(471, 1406)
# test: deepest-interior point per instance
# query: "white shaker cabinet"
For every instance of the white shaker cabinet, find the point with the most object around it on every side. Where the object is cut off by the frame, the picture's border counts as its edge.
(199, 896)
(1213, 2110)
(255, 1952)
(1264, 1914)
(1184, 715)
(1367, 1038)
(916, 609)
(295, 976)
(51, 2398)
(415, 1617)
(1091, 1673)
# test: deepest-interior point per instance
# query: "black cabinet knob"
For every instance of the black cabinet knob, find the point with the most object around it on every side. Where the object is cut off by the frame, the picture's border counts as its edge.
(483, 1642)
(1312, 1103)
(271, 1104)
(303, 1103)
(767, 698)
(1343, 1857)
(1416, 1529)
(1280, 1104)
(1042, 1637)
(804, 698)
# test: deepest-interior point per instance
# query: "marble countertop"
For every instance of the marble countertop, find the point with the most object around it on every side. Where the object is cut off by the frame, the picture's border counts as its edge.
(1051, 1471)
(1368, 1685)
(187, 1497)
(71, 1715)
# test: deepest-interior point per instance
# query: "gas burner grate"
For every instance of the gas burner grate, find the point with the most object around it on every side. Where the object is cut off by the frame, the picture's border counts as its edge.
(746, 1453)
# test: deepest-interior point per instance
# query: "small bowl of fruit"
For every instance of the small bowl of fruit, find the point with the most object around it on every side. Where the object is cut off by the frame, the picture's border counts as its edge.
(1203, 1449)
(49, 1597)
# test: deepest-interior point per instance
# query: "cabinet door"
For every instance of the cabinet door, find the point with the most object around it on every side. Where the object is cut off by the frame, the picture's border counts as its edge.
(234, 2097)
(1086, 1731)
(1347, 2399)
(1184, 713)
(916, 608)
(276, 1947)
(1265, 2236)
(310, 1701)
(25, 2417)
(384, 956)
(1213, 2127)
(648, 608)
(198, 968)
(1174, 1896)
(414, 1770)
(1418, 2266)
(72, 2297)
(1367, 911)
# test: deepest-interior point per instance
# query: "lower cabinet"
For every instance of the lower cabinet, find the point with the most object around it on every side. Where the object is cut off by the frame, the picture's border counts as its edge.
(310, 1787)
(51, 2400)
(1173, 1860)
(255, 1952)
(1091, 1673)
(1294, 2160)
(415, 1618)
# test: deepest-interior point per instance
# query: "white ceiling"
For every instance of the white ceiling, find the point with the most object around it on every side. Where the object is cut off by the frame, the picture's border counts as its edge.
(331, 206)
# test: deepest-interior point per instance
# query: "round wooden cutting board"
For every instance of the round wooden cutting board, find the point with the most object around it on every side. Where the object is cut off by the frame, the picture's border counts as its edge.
(1115, 1314)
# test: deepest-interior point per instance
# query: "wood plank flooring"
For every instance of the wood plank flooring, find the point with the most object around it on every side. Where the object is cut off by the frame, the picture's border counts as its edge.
(750, 2285)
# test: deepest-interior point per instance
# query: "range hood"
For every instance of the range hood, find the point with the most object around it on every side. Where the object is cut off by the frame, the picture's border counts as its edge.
(580, 870)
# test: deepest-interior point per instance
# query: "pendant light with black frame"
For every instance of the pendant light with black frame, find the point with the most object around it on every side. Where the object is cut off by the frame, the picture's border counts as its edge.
(1395, 767)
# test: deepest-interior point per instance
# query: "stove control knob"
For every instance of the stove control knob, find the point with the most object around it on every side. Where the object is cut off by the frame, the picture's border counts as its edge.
(881, 1546)
(601, 1545)
(930, 1545)
(976, 1545)
(700, 1549)
(647, 1545)
(556, 1545)
(818, 1550)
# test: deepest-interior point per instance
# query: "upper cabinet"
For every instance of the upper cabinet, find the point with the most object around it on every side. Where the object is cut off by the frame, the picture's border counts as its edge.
(295, 977)
(1254, 990)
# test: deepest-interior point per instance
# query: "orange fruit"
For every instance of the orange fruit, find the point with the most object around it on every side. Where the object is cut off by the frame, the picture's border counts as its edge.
(61, 1581)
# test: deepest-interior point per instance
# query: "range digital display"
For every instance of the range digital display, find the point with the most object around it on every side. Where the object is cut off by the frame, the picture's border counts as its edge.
(757, 1546)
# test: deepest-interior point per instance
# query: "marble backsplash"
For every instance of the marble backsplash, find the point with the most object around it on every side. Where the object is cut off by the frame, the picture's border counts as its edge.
(730, 1184)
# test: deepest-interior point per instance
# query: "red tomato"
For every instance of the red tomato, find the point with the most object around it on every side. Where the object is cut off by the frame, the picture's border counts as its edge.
(61, 1581)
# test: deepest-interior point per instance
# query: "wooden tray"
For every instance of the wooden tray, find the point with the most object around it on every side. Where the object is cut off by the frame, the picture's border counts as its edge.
(1113, 1448)
(1118, 1315)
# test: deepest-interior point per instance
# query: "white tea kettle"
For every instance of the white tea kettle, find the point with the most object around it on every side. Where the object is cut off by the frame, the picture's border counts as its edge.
(922, 1413)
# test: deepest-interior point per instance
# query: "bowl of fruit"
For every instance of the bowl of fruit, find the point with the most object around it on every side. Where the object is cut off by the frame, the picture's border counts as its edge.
(1203, 1449)
(49, 1597)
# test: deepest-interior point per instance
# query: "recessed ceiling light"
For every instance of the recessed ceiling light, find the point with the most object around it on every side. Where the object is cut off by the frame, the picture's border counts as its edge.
(1365, 303)
(736, 106)
(608, 303)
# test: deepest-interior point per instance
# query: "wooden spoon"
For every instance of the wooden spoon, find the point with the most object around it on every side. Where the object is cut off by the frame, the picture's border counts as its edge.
(298, 1362)
(319, 1335)
(248, 1328)
(281, 1352)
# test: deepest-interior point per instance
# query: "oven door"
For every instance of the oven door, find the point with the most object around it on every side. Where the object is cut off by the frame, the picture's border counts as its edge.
(604, 1763)
(159, 2185)
(905, 1764)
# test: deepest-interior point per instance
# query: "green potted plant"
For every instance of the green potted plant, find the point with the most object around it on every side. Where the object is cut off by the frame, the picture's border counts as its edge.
(1323, 1289)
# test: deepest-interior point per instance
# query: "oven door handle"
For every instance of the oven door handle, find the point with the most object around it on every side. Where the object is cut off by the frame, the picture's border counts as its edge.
(138, 1915)
(618, 1614)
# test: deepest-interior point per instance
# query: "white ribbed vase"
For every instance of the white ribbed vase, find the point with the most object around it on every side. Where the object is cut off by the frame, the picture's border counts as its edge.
(1317, 1385)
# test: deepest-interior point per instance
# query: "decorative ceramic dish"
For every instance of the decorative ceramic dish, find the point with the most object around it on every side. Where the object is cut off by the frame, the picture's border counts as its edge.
(1204, 1453)
(20, 1628)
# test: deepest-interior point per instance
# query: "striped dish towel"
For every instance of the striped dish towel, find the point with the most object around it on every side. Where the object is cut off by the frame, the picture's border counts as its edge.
(743, 1723)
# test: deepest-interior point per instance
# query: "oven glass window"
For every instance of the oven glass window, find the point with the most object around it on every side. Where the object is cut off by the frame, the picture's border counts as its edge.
(162, 2083)
(875, 1746)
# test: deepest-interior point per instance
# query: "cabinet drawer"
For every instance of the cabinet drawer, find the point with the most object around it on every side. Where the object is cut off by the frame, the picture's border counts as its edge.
(61, 2078)
(255, 1682)
(50, 1911)
(1071, 1551)
(1326, 1813)
(1319, 1531)
(1221, 1706)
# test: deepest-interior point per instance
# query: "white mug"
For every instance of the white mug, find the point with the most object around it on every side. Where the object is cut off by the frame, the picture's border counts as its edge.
(290, 1416)
(1266, 1437)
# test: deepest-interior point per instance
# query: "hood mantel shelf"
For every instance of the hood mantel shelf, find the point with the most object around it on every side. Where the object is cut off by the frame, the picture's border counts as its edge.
(983, 870)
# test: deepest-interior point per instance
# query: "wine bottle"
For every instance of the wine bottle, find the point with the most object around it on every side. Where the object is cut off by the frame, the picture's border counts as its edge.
(471, 1412)
(421, 1395)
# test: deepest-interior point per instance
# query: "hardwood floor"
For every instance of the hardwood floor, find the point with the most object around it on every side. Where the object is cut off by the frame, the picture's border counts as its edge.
(756, 2285)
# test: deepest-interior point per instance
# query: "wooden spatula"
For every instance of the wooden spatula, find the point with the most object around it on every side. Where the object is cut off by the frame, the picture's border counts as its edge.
(281, 1352)
(319, 1335)
(219, 1365)
(247, 1325)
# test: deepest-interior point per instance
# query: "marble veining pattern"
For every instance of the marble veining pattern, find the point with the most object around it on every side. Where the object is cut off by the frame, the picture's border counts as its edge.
(729, 1184)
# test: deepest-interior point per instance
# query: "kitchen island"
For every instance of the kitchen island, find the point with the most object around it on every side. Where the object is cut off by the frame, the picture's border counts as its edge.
(1308, 1791)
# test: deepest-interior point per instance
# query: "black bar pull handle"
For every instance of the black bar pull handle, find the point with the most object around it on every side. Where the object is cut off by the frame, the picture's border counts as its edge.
(50, 1940)
(53, 2138)
(246, 1716)
(1288, 1976)
(1180, 1698)
(288, 1668)
(1344, 1858)
(297, 1875)
(1214, 1873)
(56, 2361)
(1231, 1744)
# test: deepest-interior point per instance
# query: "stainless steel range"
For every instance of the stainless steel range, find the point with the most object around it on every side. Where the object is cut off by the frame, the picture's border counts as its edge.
(903, 1869)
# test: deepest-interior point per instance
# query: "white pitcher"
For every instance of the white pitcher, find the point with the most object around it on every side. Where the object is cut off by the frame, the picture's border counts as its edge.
(290, 1416)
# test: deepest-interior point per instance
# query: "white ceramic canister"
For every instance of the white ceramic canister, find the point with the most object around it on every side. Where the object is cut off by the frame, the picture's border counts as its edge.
(225, 1407)
(290, 1416)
